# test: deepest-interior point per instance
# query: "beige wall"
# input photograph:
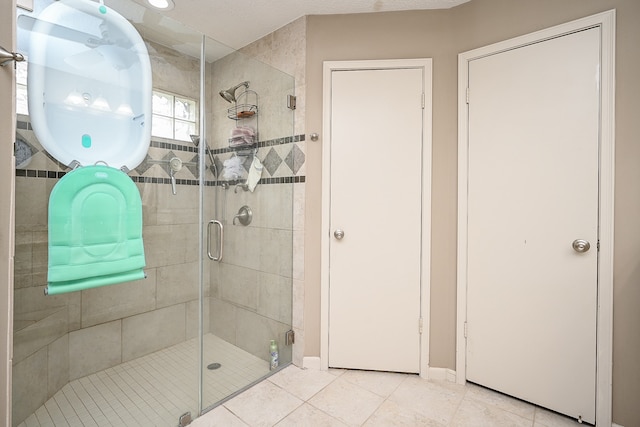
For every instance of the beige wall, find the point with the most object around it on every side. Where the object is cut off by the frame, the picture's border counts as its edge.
(405, 35)
(441, 35)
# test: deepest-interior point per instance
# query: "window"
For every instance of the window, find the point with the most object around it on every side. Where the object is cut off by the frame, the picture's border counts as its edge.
(174, 116)
(22, 106)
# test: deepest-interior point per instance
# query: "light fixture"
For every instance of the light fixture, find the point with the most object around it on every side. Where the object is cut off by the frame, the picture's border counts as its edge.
(162, 4)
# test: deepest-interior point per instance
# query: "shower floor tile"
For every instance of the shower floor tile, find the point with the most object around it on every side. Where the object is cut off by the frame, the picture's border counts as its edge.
(153, 390)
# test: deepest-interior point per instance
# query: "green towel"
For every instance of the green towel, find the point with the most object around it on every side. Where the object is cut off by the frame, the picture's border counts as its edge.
(95, 230)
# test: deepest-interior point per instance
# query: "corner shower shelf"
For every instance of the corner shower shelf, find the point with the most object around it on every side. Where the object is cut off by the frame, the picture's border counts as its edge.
(245, 151)
(245, 109)
(245, 114)
(242, 111)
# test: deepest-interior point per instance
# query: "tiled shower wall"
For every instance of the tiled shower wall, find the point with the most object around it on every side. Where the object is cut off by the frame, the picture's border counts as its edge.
(285, 49)
(251, 290)
(67, 336)
(63, 337)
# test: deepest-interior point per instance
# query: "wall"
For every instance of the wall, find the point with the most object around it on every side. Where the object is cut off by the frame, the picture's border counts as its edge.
(414, 34)
(442, 35)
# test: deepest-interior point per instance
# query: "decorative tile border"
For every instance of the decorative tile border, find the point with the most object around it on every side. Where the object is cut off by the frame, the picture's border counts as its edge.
(34, 173)
(283, 161)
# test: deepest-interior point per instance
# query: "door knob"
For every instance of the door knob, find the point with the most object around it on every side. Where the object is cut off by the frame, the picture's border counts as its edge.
(580, 245)
(338, 234)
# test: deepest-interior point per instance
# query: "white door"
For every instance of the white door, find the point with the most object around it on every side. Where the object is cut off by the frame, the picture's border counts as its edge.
(532, 192)
(376, 200)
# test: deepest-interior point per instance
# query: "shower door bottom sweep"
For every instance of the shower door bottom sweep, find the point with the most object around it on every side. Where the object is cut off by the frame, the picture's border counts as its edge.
(150, 390)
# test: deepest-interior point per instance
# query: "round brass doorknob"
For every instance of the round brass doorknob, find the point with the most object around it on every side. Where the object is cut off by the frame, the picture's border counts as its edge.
(580, 245)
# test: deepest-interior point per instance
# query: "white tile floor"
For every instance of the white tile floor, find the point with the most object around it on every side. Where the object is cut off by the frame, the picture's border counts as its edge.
(297, 398)
(153, 390)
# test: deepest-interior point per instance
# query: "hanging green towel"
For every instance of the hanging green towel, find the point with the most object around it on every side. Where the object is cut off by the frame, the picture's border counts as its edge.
(95, 230)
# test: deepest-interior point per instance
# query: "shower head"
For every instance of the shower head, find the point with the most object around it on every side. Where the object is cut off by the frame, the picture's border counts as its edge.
(195, 139)
(229, 95)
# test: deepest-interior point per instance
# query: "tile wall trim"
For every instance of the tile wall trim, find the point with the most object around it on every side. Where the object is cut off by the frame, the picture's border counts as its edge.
(35, 173)
(184, 147)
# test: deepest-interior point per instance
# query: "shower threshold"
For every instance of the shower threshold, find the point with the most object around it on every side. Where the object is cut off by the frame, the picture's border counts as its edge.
(152, 390)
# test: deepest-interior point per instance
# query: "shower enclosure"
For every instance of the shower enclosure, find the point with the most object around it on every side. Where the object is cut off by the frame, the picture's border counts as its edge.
(198, 328)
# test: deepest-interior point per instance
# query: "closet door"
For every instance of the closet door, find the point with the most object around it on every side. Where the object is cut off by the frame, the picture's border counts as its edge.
(375, 220)
(533, 222)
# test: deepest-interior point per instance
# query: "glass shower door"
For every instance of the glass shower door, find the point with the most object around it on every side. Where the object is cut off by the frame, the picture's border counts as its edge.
(194, 331)
(123, 354)
(249, 289)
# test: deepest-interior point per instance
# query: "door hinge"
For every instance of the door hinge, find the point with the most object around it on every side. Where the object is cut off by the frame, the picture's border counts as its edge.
(420, 325)
(289, 337)
(291, 102)
(598, 246)
(423, 100)
(465, 329)
(467, 95)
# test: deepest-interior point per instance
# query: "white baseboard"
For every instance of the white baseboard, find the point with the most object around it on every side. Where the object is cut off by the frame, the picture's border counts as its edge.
(616, 425)
(442, 374)
(309, 362)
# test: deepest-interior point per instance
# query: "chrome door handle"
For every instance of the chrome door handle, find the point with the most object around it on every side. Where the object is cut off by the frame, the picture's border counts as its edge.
(580, 245)
(220, 241)
(338, 234)
(6, 56)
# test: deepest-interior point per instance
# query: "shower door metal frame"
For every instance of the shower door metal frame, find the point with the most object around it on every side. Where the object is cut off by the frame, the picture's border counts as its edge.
(201, 222)
(7, 133)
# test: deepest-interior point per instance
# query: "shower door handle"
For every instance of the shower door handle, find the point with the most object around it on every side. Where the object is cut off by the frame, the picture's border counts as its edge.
(219, 224)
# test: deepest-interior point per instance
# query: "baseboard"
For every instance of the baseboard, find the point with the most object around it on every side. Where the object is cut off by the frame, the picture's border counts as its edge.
(616, 425)
(309, 362)
(442, 374)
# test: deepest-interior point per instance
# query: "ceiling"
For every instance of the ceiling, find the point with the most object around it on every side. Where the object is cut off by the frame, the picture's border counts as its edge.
(237, 23)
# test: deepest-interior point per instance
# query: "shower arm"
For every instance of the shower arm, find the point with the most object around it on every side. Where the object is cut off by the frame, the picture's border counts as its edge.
(195, 139)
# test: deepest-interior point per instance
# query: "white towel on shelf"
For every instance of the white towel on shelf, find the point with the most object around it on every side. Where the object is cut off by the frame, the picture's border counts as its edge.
(255, 173)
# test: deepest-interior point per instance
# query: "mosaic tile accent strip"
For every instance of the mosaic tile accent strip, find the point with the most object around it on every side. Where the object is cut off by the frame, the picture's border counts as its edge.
(155, 167)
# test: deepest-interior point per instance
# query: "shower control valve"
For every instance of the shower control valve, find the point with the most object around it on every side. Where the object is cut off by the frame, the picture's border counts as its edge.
(244, 216)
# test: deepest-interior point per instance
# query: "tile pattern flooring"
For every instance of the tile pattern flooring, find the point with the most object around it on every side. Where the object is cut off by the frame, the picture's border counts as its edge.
(296, 397)
(153, 390)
